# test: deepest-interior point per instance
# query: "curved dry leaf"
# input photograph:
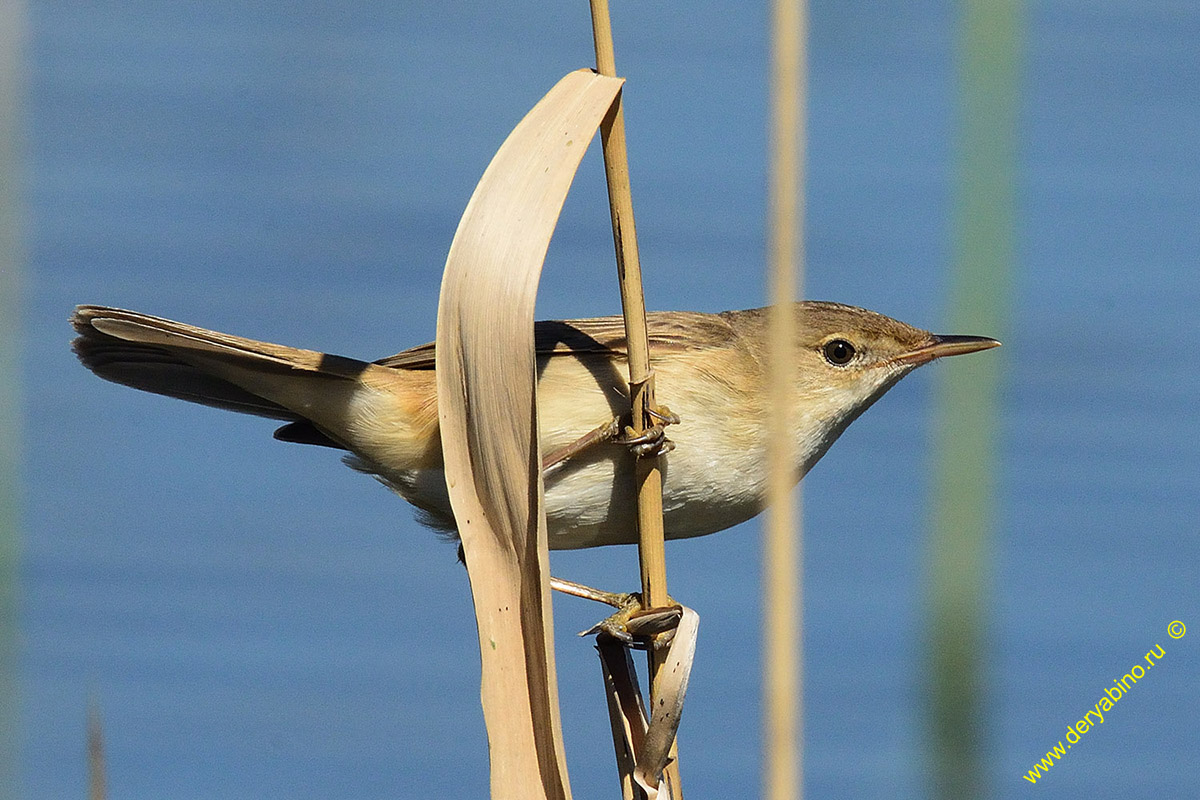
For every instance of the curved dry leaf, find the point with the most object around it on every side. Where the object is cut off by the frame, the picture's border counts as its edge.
(488, 414)
(670, 687)
(626, 713)
(644, 751)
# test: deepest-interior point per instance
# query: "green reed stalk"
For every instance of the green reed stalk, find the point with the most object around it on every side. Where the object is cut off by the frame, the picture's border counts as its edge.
(11, 35)
(966, 462)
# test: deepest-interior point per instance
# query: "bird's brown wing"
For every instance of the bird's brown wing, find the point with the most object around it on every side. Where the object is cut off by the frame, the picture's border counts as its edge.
(668, 331)
(602, 336)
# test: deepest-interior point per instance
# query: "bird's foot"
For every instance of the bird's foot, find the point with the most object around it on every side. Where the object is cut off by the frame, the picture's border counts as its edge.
(632, 624)
(653, 441)
(638, 627)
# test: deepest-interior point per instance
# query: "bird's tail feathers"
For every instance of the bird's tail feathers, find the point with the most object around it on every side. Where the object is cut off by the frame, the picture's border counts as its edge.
(202, 366)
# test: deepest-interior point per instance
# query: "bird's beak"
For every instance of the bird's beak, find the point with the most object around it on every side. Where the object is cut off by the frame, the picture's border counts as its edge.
(942, 346)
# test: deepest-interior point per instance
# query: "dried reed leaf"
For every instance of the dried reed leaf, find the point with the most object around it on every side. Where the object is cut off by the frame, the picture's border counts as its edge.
(626, 712)
(644, 751)
(488, 414)
(670, 688)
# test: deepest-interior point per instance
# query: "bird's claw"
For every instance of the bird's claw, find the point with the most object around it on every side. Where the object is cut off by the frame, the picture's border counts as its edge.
(637, 627)
(664, 415)
(653, 441)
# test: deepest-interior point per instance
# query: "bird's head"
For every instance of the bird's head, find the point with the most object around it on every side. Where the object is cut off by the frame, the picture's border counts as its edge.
(846, 359)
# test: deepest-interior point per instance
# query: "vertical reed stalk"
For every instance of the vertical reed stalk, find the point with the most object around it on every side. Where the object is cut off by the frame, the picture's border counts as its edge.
(652, 559)
(97, 778)
(633, 303)
(782, 552)
(965, 446)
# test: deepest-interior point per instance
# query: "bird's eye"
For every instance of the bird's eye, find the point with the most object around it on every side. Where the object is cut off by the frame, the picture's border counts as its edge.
(838, 352)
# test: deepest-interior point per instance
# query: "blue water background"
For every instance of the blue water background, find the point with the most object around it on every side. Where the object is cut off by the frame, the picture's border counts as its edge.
(254, 620)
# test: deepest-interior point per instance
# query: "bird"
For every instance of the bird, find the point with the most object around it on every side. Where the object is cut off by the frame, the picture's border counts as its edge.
(711, 372)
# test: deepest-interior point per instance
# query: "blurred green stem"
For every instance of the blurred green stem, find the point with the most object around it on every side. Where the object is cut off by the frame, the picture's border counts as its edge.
(12, 20)
(965, 452)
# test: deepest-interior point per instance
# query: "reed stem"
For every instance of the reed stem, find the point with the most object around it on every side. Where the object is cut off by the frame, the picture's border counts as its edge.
(989, 59)
(782, 551)
(12, 34)
(652, 559)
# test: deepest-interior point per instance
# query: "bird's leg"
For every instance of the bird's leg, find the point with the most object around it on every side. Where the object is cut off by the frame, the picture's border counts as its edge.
(604, 433)
(632, 624)
(614, 599)
(651, 442)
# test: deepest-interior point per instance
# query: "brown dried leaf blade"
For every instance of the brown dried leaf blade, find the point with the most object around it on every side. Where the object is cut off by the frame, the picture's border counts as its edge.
(486, 404)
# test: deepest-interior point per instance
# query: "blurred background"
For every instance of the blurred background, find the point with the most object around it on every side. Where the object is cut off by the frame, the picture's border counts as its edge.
(254, 620)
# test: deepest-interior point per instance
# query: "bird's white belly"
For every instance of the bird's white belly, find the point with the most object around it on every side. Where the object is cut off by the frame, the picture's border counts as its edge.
(715, 477)
(707, 486)
(594, 504)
